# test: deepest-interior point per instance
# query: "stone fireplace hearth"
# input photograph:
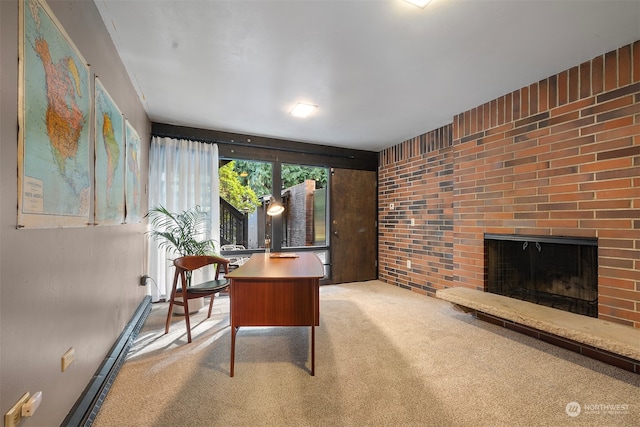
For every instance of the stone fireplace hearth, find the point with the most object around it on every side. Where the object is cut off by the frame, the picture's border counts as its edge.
(557, 272)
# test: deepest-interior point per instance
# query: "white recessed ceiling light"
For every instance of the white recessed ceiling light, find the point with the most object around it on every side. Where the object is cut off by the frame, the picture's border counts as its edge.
(302, 110)
(419, 3)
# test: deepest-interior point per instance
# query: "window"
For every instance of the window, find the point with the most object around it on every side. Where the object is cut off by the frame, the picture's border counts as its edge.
(304, 196)
(246, 188)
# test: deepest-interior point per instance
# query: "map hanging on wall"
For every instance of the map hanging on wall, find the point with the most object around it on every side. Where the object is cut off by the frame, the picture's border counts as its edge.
(109, 154)
(133, 175)
(54, 185)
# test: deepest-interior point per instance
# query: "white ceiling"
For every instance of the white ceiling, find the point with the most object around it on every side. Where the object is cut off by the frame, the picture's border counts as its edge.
(380, 71)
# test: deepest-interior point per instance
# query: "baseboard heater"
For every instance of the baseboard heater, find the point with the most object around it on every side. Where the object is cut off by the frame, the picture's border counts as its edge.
(87, 406)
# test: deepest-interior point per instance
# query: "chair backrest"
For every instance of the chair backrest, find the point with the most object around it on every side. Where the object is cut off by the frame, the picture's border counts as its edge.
(194, 262)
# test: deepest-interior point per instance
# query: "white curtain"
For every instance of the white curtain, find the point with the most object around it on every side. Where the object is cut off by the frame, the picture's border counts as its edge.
(182, 174)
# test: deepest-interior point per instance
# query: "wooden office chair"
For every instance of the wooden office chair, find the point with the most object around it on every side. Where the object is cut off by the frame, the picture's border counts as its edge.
(184, 267)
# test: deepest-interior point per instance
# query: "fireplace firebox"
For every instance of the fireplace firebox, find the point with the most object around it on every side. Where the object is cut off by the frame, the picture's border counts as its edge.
(559, 272)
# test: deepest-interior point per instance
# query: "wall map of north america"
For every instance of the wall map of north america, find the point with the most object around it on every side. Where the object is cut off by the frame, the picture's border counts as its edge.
(56, 109)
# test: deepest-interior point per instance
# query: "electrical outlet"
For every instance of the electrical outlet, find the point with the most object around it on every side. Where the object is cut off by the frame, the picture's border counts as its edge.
(143, 280)
(67, 358)
(408, 263)
(13, 417)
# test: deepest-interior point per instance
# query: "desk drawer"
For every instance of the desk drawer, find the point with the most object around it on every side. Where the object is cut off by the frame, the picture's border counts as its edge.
(274, 302)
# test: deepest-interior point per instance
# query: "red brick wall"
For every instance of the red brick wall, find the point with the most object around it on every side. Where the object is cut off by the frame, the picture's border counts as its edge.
(560, 157)
(299, 214)
(417, 177)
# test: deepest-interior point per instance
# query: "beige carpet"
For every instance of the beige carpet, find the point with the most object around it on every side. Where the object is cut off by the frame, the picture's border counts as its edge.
(385, 356)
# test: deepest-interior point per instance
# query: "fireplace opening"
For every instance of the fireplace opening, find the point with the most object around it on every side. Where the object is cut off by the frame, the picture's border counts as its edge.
(558, 272)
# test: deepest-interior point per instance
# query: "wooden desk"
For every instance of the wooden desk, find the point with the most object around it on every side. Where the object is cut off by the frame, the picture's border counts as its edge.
(270, 291)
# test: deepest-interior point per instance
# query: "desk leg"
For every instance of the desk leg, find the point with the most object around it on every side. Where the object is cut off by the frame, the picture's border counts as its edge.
(233, 349)
(313, 349)
(313, 332)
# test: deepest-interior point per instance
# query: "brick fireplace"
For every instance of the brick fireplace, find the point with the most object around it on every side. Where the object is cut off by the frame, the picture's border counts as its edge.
(560, 157)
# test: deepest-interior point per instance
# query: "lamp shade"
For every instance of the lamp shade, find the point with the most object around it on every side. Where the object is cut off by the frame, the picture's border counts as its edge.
(274, 208)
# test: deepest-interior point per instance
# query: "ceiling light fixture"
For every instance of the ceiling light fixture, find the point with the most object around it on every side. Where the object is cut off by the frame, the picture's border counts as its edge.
(420, 3)
(302, 110)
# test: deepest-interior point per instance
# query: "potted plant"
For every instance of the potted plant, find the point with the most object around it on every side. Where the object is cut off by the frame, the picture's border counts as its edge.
(181, 234)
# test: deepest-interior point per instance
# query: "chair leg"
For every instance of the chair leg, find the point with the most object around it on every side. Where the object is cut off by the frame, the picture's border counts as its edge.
(166, 328)
(186, 317)
(211, 304)
(172, 299)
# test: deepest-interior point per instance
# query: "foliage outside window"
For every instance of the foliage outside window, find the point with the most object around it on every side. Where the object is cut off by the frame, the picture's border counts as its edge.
(233, 190)
(293, 175)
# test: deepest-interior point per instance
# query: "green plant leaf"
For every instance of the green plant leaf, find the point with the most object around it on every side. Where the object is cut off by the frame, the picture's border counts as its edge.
(180, 233)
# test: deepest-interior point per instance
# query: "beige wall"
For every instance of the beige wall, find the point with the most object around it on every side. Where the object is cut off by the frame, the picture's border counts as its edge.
(62, 288)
